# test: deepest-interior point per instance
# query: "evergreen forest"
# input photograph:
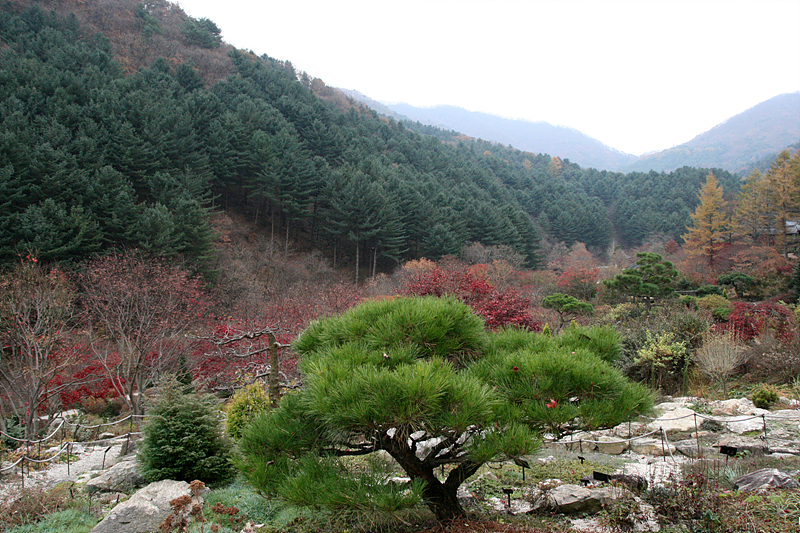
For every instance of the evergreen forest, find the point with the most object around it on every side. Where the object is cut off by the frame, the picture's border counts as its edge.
(97, 156)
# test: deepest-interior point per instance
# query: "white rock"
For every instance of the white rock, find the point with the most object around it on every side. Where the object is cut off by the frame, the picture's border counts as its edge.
(610, 446)
(678, 419)
(744, 424)
(653, 447)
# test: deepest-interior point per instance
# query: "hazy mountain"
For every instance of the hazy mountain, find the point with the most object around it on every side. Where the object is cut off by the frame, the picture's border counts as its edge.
(739, 144)
(373, 104)
(536, 137)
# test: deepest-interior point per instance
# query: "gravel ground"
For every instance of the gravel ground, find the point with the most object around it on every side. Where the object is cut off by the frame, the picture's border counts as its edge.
(86, 461)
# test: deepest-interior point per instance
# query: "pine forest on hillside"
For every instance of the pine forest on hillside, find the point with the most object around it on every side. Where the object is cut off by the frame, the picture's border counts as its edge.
(96, 156)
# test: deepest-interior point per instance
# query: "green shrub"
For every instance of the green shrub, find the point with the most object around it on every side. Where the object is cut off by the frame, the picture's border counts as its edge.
(245, 404)
(689, 301)
(183, 438)
(708, 290)
(764, 396)
(719, 306)
(667, 361)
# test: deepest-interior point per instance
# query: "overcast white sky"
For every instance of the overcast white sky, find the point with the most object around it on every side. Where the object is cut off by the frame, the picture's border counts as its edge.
(639, 75)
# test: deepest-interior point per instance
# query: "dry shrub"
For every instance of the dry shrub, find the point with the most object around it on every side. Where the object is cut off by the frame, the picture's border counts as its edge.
(720, 356)
(771, 360)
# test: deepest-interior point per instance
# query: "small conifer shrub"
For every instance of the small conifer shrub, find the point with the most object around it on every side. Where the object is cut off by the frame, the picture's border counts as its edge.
(764, 397)
(183, 437)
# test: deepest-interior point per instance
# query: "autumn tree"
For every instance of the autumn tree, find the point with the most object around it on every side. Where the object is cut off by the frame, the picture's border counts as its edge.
(751, 216)
(138, 312)
(229, 343)
(498, 308)
(37, 356)
(707, 235)
(783, 190)
(555, 167)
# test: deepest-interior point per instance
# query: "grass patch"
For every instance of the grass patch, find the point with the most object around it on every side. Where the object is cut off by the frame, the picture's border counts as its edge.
(68, 521)
(34, 504)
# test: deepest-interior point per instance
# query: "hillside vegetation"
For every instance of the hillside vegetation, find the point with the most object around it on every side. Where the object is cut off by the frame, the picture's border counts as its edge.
(97, 154)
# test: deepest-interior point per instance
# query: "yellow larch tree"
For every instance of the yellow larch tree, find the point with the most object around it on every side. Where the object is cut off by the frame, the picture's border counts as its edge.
(752, 216)
(784, 195)
(707, 235)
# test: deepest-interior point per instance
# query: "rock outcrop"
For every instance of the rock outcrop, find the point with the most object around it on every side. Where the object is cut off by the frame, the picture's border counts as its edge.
(766, 478)
(145, 510)
(124, 476)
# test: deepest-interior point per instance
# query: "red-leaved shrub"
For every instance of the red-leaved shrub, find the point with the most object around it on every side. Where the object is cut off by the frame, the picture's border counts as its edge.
(498, 308)
(750, 320)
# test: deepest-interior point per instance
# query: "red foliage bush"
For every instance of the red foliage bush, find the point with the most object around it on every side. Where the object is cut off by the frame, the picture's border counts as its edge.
(750, 320)
(218, 364)
(579, 282)
(498, 308)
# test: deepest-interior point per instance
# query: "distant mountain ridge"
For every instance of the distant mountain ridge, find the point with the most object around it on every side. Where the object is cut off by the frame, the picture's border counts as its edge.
(738, 144)
(536, 137)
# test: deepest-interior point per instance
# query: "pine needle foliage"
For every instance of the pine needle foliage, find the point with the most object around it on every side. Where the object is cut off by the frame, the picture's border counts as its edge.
(422, 381)
(183, 438)
(603, 341)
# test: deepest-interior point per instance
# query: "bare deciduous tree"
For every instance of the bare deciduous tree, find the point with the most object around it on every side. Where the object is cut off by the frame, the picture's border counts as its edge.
(138, 312)
(37, 356)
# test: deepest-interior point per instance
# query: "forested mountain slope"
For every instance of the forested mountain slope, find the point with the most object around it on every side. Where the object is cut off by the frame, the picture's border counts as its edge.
(95, 155)
(739, 144)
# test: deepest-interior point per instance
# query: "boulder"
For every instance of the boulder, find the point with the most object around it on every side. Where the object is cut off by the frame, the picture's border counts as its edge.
(689, 449)
(745, 445)
(145, 510)
(766, 478)
(122, 477)
(571, 499)
(677, 419)
(610, 446)
(653, 447)
(726, 407)
(629, 430)
(745, 424)
(794, 404)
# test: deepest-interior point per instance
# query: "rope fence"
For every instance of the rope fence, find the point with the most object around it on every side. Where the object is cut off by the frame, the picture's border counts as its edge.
(65, 447)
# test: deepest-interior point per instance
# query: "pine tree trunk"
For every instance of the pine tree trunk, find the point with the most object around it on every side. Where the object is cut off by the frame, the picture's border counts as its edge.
(441, 498)
(443, 502)
(274, 364)
(357, 258)
(286, 246)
